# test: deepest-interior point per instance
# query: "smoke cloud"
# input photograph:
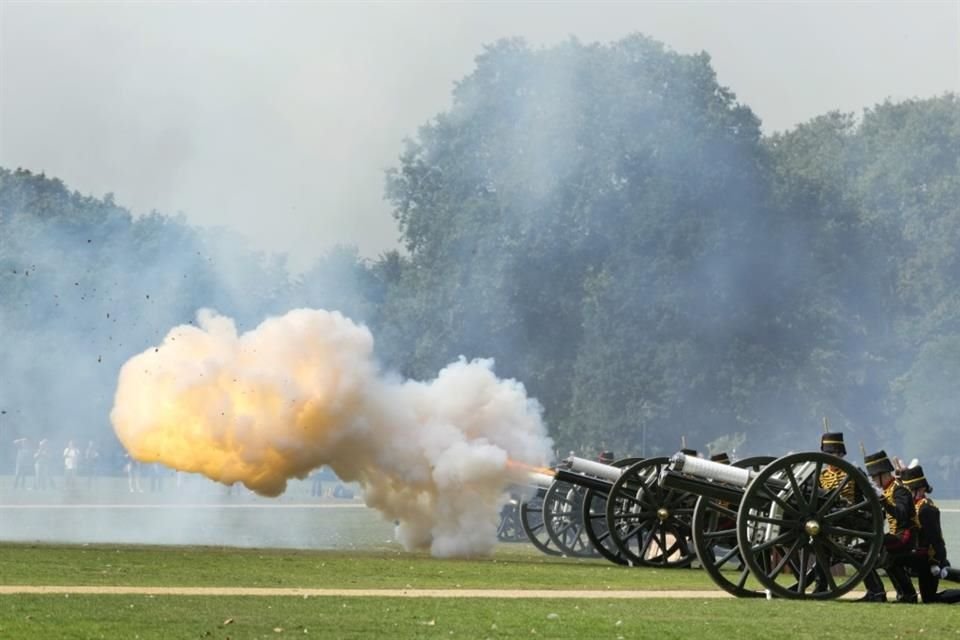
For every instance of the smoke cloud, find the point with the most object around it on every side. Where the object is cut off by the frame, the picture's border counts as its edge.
(304, 390)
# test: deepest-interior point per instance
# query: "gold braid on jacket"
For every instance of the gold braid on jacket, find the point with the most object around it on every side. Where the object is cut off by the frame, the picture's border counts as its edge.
(832, 477)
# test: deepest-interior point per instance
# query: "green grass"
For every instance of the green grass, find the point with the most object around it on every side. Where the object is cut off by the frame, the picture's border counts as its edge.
(512, 566)
(168, 618)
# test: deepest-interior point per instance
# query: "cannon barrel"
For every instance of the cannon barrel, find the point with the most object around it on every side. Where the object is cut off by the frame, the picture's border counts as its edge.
(585, 481)
(708, 470)
(589, 467)
(700, 487)
(540, 480)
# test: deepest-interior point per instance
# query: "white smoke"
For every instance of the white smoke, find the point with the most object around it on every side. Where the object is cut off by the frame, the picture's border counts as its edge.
(303, 390)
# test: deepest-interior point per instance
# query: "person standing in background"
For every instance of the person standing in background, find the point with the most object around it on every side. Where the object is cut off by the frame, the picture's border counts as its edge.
(132, 467)
(156, 477)
(41, 466)
(22, 468)
(316, 484)
(71, 462)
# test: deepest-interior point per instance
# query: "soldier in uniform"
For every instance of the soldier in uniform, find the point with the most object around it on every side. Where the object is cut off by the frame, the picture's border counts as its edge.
(900, 539)
(830, 478)
(930, 560)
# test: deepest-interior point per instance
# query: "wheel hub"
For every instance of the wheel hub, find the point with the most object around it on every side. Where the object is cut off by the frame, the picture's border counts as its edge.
(662, 514)
(812, 527)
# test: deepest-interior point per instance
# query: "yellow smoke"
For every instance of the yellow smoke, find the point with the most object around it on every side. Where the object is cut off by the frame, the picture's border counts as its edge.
(303, 390)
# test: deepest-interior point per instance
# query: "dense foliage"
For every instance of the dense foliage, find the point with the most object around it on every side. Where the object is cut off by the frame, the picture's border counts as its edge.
(610, 225)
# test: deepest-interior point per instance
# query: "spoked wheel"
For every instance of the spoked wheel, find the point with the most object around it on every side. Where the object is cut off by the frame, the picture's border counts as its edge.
(511, 529)
(650, 525)
(811, 529)
(562, 511)
(715, 539)
(531, 517)
(595, 520)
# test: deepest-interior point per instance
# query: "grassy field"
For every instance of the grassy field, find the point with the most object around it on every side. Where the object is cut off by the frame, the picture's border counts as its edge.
(512, 566)
(164, 618)
(352, 548)
(517, 566)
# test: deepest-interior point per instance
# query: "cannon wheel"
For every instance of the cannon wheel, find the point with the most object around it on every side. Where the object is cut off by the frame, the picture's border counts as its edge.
(648, 523)
(811, 529)
(595, 520)
(562, 510)
(511, 528)
(531, 517)
(715, 538)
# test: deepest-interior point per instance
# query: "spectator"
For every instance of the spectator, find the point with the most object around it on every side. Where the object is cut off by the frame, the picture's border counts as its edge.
(22, 464)
(71, 462)
(41, 466)
(132, 467)
(156, 477)
(316, 483)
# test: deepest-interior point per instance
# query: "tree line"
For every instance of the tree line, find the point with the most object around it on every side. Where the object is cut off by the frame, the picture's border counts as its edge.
(610, 224)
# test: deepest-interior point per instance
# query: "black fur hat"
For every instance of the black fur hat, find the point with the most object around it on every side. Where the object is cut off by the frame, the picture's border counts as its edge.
(913, 478)
(878, 463)
(833, 443)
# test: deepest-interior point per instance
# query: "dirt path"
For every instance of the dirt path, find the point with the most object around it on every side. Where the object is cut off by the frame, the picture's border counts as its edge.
(378, 593)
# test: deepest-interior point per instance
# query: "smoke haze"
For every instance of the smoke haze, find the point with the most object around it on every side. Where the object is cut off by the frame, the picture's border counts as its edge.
(303, 390)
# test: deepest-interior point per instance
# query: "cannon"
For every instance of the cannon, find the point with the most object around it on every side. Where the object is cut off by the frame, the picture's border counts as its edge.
(789, 533)
(510, 528)
(575, 507)
(649, 524)
(532, 516)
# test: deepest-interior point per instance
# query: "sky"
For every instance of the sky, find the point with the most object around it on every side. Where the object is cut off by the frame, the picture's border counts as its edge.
(277, 120)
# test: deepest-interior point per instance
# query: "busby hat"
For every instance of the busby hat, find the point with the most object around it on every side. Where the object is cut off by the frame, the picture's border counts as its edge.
(913, 478)
(606, 456)
(722, 458)
(878, 463)
(833, 443)
(689, 452)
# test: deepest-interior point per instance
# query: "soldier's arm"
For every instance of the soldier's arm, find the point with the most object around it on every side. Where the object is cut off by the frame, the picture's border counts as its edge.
(902, 508)
(930, 522)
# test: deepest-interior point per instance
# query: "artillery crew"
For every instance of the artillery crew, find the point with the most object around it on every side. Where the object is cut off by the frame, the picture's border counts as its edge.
(900, 539)
(832, 477)
(930, 560)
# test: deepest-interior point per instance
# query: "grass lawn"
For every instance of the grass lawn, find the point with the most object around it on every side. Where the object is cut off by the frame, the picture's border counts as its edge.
(513, 566)
(385, 565)
(166, 618)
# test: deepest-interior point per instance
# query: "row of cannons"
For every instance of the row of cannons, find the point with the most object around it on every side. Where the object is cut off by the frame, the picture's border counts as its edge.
(760, 526)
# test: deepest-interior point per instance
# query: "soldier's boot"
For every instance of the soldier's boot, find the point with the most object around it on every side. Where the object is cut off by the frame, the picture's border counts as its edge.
(876, 592)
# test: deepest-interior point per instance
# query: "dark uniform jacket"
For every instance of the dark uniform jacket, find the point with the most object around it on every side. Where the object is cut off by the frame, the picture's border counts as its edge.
(901, 517)
(930, 544)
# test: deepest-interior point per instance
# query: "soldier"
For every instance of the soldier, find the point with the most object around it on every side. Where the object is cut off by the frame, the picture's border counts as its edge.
(900, 539)
(930, 560)
(830, 478)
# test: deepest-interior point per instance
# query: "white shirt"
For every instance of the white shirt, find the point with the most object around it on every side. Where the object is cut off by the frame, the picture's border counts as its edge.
(70, 457)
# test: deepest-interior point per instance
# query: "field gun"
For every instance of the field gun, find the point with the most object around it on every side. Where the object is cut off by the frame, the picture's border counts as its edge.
(575, 507)
(769, 520)
(649, 524)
